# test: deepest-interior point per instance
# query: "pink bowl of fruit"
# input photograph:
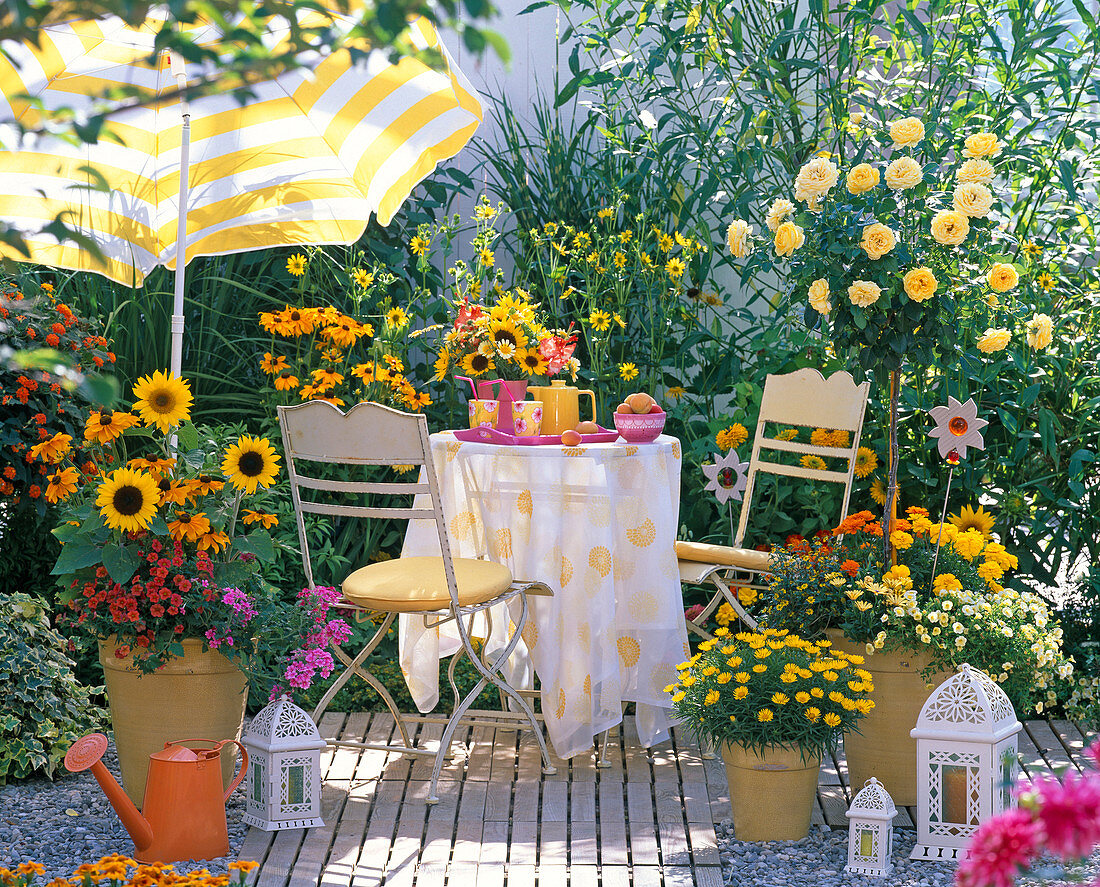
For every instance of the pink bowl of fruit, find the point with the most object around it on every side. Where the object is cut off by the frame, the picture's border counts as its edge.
(644, 421)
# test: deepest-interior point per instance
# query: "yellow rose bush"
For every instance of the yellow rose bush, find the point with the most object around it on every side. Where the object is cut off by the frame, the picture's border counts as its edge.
(909, 244)
(771, 688)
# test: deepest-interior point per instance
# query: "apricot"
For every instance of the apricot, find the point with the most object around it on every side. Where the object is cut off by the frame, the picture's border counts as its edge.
(656, 408)
(623, 408)
(570, 438)
(640, 402)
(587, 428)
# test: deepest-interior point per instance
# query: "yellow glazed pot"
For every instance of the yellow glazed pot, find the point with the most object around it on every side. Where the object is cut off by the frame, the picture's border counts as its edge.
(561, 405)
(772, 797)
(194, 696)
(883, 748)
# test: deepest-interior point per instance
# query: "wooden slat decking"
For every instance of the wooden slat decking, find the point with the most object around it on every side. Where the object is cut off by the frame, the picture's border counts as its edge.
(647, 819)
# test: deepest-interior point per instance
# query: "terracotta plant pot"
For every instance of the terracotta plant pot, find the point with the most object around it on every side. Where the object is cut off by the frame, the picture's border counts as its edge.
(772, 797)
(883, 747)
(195, 696)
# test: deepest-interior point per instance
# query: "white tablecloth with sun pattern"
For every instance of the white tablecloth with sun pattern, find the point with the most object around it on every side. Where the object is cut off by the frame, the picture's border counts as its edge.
(597, 523)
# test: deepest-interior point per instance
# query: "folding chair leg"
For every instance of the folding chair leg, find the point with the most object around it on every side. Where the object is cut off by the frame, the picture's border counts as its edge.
(602, 762)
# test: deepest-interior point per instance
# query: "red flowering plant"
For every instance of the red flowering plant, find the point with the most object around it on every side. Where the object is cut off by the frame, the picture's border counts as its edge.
(46, 353)
(155, 547)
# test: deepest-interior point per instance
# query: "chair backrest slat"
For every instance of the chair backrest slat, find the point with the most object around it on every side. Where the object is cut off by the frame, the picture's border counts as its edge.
(349, 486)
(366, 511)
(839, 477)
(793, 446)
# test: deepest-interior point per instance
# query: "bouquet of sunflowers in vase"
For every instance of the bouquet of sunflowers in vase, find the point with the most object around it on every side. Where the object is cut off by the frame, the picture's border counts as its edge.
(944, 596)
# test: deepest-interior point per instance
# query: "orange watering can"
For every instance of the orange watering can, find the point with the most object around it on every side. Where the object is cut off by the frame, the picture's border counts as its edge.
(183, 814)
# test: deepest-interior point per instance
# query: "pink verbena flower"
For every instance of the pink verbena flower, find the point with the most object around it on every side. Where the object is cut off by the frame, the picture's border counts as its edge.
(1001, 848)
(1069, 811)
(212, 639)
(338, 631)
(240, 602)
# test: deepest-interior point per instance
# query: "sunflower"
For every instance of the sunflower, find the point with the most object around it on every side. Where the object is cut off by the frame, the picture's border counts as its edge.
(815, 463)
(251, 461)
(533, 363)
(156, 467)
(266, 519)
(189, 526)
(628, 371)
(162, 400)
(866, 462)
(296, 265)
(362, 277)
(62, 485)
(973, 519)
(52, 449)
(286, 381)
(104, 427)
(419, 245)
(396, 318)
(476, 364)
(600, 320)
(441, 365)
(878, 491)
(506, 331)
(128, 499)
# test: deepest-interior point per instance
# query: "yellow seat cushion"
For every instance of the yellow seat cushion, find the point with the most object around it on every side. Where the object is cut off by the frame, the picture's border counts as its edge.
(418, 584)
(745, 558)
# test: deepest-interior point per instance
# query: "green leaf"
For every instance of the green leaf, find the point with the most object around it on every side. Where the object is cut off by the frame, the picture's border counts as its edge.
(76, 556)
(120, 562)
(188, 437)
(258, 543)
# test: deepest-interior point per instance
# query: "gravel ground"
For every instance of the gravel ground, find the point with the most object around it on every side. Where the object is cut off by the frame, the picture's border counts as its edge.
(819, 860)
(64, 823)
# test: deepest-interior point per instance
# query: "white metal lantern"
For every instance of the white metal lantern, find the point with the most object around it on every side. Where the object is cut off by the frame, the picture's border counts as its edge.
(966, 762)
(871, 830)
(284, 779)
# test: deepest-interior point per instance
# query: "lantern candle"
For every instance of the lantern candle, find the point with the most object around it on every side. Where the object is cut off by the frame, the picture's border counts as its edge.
(866, 842)
(954, 794)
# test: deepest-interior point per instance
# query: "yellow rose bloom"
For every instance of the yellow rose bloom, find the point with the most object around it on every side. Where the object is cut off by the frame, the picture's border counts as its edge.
(904, 173)
(864, 293)
(975, 171)
(788, 238)
(1040, 331)
(819, 296)
(779, 210)
(815, 180)
(950, 227)
(861, 178)
(920, 284)
(737, 238)
(982, 144)
(877, 240)
(1003, 277)
(906, 132)
(973, 199)
(994, 340)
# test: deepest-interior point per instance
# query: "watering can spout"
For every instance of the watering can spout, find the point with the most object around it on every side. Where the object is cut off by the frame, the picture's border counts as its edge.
(85, 754)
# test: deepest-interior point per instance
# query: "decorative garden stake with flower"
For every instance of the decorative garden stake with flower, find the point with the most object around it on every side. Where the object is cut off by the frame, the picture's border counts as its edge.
(727, 479)
(957, 428)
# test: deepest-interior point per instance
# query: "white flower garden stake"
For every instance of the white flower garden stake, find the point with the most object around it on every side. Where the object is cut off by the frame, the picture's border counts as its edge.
(284, 783)
(966, 762)
(727, 477)
(871, 830)
(957, 427)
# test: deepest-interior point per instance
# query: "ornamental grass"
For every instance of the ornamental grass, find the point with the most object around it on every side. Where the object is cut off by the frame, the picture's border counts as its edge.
(771, 688)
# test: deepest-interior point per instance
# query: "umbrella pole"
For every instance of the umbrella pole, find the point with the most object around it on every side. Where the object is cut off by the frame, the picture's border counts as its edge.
(176, 365)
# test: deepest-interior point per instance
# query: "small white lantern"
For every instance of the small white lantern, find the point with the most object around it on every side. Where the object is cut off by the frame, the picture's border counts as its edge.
(966, 762)
(871, 830)
(284, 779)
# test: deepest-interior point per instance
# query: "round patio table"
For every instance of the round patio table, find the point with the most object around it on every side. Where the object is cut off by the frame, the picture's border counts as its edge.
(597, 523)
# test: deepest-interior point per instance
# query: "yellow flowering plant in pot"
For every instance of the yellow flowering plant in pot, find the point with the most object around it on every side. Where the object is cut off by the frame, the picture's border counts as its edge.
(889, 251)
(772, 702)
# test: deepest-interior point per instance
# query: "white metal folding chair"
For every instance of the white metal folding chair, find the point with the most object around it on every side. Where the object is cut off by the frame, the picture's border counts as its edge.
(455, 589)
(803, 398)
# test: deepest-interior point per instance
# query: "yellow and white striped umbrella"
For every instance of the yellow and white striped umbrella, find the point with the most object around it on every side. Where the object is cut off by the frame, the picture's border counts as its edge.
(304, 162)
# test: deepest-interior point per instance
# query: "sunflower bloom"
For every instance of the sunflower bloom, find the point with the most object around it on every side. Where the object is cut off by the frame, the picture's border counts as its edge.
(533, 363)
(628, 371)
(600, 320)
(866, 462)
(189, 526)
(296, 265)
(128, 500)
(162, 400)
(973, 519)
(251, 461)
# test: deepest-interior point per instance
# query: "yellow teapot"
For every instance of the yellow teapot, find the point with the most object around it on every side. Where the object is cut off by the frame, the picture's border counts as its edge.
(561, 405)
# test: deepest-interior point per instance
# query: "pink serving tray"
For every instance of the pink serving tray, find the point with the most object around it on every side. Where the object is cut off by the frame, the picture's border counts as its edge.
(484, 434)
